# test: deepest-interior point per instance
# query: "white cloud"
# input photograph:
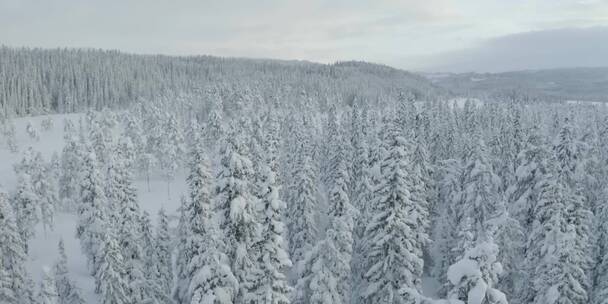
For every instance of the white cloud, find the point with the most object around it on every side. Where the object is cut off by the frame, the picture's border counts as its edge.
(384, 31)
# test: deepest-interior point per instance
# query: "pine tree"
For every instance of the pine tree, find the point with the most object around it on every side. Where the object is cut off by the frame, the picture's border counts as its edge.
(11, 136)
(237, 213)
(129, 234)
(150, 285)
(396, 235)
(67, 291)
(327, 276)
(163, 253)
(45, 186)
(71, 165)
(303, 203)
(7, 295)
(48, 289)
(272, 287)
(27, 206)
(13, 276)
(171, 150)
(92, 214)
(557, 277)
(193, 212)
(473, 277)
(110, 281)
(203, 267)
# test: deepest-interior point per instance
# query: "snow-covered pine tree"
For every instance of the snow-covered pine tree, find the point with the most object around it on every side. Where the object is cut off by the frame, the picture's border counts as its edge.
(303, 204)
(149, 286)
(163, 248)
(530, 172)
(110, 281)
(203, 268)
(71, 164)
(327, 277)
(568, 158)
(237, 212)
(444, 231)
(48, 289)
(558, 245)
(45, 186)
(557, 277)
(27, 207)
(195, 212)
(129, 232)
(171, 150)
(474, 276)
(100, 137)
(11, 136)
(480, 190)
(32, 132)
(396, 234)
(183, 255)
(7, 295)
(92, 213)
(272, 286)
(13, 275)
(67, 291)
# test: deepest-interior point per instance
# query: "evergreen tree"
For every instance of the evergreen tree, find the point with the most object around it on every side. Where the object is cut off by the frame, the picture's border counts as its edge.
(13, 277)
(327, 276)
(71, 166)
(27, 206)
(205, 270)
(163, 253)
(67, 291)
(272, 287)
(92, 214)
(473, 277)
(236, 209)
(557, 277)
(48, 289)
(396, 235)
(303, 203)
(11, 136)
(110, 281)
(171, 150)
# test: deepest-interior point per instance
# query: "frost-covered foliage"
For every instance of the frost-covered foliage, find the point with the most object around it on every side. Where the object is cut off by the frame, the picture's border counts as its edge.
(305, 184)
(473, 277)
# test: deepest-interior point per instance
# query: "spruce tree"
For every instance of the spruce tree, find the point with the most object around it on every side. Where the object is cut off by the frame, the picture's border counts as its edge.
(272, 286)
(396, 235)
(163, 250)
(302, 230)
(27, 206)
(110, 280)
(92, 213)
(48, 289)
(13, 276)
(237, 212)
(327, 276)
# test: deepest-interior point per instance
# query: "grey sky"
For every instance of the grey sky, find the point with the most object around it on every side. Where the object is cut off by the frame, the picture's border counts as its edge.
(421, 34)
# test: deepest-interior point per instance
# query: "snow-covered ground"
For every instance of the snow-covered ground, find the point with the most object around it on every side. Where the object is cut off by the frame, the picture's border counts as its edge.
(43, 247)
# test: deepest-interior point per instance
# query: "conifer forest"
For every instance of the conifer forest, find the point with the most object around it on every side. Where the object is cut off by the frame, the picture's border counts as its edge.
(150, 179)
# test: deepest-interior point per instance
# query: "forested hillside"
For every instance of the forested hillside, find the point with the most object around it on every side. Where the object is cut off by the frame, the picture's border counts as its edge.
(38, 81)
(290, 182)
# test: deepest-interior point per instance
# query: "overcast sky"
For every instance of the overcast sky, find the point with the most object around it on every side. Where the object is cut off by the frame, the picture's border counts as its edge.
(429, 35)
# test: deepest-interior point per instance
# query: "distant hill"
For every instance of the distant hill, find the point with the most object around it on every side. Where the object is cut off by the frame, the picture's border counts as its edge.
(588, 84)
(35, 81)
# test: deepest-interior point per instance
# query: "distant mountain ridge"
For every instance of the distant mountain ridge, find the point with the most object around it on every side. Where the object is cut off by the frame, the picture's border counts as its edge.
(586, 84)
